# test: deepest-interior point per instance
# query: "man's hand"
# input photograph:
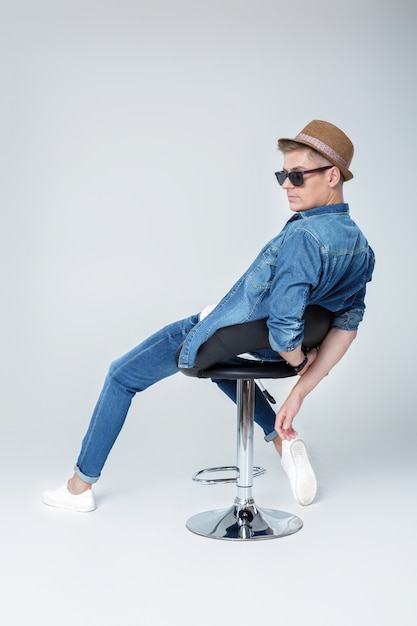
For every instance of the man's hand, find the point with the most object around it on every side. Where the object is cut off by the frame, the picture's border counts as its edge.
(285, 416)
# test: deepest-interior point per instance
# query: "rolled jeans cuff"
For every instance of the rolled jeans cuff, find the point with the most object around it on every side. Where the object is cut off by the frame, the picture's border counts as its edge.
(86, 479)
(272, 435)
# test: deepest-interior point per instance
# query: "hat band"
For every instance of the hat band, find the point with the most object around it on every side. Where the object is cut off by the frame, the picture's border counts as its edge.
(323, 147)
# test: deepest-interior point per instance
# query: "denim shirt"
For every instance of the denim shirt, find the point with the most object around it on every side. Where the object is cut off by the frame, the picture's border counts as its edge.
(320, 257)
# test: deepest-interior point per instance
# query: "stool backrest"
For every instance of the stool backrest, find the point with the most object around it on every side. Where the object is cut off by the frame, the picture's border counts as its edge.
(231, 341)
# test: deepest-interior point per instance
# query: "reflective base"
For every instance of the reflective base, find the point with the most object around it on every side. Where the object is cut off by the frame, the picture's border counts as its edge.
(244, 521)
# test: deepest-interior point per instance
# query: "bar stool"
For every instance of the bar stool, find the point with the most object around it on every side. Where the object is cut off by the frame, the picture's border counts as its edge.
(244, 519)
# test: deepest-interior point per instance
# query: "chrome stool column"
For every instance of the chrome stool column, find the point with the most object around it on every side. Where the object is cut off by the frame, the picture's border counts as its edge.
(244, 520)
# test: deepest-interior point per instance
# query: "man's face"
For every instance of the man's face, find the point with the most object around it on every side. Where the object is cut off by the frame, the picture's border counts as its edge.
(314, 191)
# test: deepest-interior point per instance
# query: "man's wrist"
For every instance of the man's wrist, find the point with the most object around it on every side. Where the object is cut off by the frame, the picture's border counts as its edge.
(301, 366)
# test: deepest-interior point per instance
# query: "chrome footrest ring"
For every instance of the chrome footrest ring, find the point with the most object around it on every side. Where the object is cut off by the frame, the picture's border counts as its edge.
(197, 477)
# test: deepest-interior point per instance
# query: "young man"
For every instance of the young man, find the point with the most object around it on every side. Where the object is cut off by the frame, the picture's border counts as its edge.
(320, 257)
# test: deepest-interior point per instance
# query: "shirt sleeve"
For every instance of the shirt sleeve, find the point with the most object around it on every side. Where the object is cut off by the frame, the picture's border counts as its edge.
(351, 317)
(298, 271)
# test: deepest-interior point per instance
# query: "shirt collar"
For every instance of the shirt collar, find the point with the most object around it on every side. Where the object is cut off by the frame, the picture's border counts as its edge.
(343, 207)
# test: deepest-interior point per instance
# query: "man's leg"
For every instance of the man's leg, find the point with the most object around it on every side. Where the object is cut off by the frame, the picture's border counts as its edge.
(151, 361)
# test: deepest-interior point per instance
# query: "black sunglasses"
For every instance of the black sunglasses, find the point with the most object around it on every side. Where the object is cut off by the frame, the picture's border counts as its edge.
(297, 178)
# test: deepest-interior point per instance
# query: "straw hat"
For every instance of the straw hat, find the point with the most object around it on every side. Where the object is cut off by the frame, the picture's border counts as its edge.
(329, 141)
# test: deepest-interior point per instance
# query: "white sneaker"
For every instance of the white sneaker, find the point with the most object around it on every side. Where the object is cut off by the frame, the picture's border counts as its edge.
(296, 465)
(64, 499)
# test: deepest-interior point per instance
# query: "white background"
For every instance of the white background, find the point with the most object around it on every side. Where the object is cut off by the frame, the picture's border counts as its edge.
(138, 150)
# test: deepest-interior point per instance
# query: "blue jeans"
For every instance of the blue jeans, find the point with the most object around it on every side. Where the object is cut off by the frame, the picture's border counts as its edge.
(151, 361)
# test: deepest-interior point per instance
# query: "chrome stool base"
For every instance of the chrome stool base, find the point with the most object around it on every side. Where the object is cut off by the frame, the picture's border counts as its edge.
(244, 521)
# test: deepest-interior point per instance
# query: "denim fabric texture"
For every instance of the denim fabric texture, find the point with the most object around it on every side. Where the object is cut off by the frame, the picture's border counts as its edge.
(320, 257)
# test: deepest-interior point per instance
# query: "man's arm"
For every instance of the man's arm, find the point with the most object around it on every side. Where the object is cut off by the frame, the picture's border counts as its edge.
(334, 346)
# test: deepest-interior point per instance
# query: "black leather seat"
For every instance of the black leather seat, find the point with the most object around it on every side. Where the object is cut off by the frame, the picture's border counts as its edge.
(231, 341)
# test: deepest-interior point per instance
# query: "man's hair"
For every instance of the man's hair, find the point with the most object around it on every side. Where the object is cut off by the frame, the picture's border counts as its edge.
(287, 145)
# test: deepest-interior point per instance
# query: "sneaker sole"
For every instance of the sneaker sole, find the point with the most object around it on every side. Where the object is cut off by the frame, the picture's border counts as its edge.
(67, 507)
(305, 479)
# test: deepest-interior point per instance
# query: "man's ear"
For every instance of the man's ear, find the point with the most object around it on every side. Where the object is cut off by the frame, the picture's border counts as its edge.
(334, 176)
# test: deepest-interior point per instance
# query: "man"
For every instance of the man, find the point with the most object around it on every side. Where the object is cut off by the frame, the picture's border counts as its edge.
(320, 257)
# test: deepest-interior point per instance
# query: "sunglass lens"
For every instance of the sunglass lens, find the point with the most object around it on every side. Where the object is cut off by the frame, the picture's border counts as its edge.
(281, 176)
(296, 178)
